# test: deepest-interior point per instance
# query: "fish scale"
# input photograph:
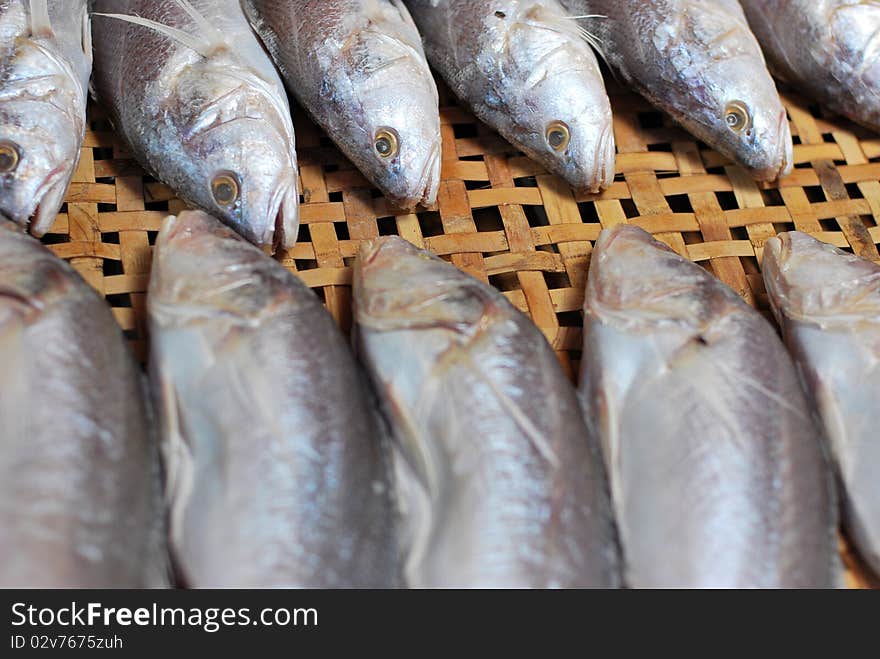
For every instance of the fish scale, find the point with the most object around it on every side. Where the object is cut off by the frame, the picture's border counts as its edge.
(828, 304)
(830, 49)
(277, 474)
(718, 473)
(44, 77)
(498, 483)
(524, 68)
(357, 66)
(79, 472)
(697, 61)
(202, 109)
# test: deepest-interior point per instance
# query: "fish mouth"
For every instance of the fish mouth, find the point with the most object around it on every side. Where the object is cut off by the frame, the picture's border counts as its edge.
(778, 249)
(428, 184)
(49, 205)
(47, 201)
(784, 160)
(284, 208)
(606, 158)
(369, 251)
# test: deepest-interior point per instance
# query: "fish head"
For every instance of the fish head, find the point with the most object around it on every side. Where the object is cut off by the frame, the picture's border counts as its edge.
(644, 284)
(721, 90)
(807, 278)
(201, 266)
(552, 102)
(387, 117)
(42, 121)
(239, 149)
(746, 114)
(398, 286)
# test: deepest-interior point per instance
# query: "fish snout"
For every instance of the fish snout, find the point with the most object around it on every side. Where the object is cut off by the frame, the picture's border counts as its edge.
(781, 161)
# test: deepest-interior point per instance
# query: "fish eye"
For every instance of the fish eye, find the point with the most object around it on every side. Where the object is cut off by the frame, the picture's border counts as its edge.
(386, 143)
(9, 157)
(737, 116)
(225, 188)
(558, 135)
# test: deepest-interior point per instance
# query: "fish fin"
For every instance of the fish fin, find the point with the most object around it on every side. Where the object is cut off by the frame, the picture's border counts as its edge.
(87, 35)
(178, 459)
(13, 376)
(41, 25)
(535, 436)
(404, 14)
(414, 515)
(591, 38)
(158, 572)
(186, 39)
(212, 35)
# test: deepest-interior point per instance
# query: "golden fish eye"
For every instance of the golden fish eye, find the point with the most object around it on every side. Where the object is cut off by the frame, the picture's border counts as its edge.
(386, 143)
(558, 136)
(225, 189)
(737, 116)
(9, 157)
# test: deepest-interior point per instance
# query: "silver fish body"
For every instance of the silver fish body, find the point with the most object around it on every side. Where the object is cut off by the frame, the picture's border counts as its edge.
(497, 482)
(697, 61)
(828, 304)
(717, 470)
(827, 48)
(80, 498)
(524, 68)
(202, 108)
(276, 473)
(358, 67)
(45, 63)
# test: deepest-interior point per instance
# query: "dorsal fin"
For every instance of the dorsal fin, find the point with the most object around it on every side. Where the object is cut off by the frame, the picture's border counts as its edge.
(41, 26)
(201, 46)
(211, 34)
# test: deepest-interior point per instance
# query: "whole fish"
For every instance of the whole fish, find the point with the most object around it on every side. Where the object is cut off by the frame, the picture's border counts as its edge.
(717, 471)
(358, 67)
(497, 482)
(828, 48)
(828, 304)
(525, 68)
(80, 494)
(45, 63)
(697, 61)
(193, 93)
(277, 476)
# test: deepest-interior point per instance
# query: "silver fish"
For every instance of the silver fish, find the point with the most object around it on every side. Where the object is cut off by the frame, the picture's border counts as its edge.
(200, 104)
(276, 473)
(80, 498)
(828, 48)
(717, 470)
(45, 63)
(697, 61)
(497, 482)
(525, 68)
(359, 69)
(828, 304)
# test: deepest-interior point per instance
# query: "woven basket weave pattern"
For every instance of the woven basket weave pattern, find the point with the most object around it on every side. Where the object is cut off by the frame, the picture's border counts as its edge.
(500, 217)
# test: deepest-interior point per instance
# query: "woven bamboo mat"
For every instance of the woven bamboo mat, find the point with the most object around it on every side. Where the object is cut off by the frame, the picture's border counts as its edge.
(500, 217)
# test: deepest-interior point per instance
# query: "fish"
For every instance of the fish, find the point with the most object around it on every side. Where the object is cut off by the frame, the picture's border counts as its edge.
(45, 64)
(199, 103)
(277, 469)
(826, 48)
(497, 482)
(697, 61)
(827, 302)
(525, 68)
(80, 488)
(718, 472)
(358, 68)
